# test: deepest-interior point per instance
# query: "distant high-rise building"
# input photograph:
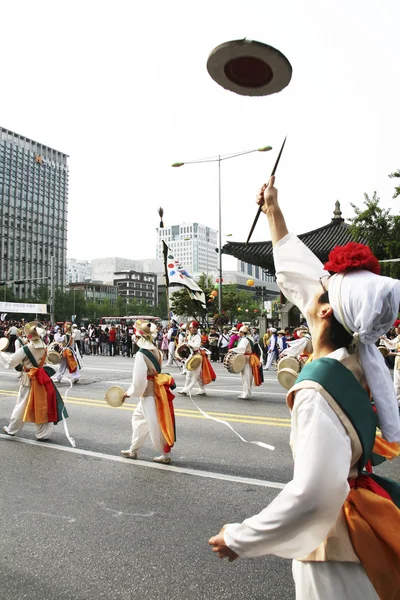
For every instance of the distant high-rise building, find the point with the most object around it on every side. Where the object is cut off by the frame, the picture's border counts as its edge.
(103, 269)
(78, 270)
(254, 272)
(192, 244)
(33, 212)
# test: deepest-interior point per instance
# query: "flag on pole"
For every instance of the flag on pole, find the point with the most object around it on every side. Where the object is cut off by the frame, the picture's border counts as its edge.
(176, 275)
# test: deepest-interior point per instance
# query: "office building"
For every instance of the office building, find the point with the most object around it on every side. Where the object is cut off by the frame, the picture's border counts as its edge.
(33, 213)
(254, 272)
(137, 286)
(103, 269)
(78, 270)
(192, 244)
(95, 291)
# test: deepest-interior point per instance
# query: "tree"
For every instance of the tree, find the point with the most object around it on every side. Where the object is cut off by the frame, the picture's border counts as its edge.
(397, 187)
(379, 229)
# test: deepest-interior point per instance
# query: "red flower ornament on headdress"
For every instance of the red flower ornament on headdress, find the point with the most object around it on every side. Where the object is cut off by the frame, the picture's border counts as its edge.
(352, 257)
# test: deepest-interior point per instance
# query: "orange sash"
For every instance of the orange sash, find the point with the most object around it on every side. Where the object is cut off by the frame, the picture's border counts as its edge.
(71, 362)
(255, 367)
(387, 449)
(373, 523)
(165, 410)
(36, 410)
(207, 372)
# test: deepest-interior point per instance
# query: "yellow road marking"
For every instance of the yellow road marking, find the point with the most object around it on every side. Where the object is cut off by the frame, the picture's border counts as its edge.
(180, 412)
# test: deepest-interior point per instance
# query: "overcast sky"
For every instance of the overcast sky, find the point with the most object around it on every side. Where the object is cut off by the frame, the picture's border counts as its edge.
(122, 87)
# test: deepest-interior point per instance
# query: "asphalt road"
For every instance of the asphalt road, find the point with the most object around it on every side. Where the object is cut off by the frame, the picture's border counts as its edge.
(85, 523)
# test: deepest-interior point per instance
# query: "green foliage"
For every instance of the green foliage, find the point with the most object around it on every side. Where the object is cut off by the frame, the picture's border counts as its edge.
(234, 302)
(397, 187)
(378, 228)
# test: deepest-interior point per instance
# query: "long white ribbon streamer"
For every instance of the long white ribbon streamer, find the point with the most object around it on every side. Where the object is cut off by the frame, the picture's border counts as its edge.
(66, 431)
(261, 444)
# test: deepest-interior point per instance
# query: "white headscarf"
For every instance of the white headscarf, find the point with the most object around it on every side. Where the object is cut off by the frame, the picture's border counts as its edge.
(366, 305)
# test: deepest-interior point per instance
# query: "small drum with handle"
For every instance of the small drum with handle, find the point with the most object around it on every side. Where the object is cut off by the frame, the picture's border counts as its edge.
(384, 351)
(54, 353)
(288, 369)
(4, 343)
(183, 351)
(234, 362)
(114, 396)
(194, 362)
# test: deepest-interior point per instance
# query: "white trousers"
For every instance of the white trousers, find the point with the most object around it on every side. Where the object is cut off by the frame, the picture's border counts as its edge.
(144, 424)
(270, 359)
(396, 379)
(16, 421)
(193, 377)
(171, 353)
(332, 581)
(62, 368)
(247, 381)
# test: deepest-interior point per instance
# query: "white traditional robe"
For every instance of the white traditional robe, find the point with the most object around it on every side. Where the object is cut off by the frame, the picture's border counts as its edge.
(271, 354)
(63, 363)
(244, 347)
(10, 361)
(193, 377)
(171, 345)
(144, 418)
(301, 516)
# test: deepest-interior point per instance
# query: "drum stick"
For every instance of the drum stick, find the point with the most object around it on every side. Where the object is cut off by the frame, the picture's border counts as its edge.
(259, 208)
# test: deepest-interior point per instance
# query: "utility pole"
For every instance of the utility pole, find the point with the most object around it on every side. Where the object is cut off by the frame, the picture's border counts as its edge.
(52, 290)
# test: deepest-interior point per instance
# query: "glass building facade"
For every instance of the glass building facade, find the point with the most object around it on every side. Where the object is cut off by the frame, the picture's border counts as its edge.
(33, 212)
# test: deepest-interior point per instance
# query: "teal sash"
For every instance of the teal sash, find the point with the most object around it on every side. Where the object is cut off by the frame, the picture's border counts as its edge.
(349, 394)
(152, 358)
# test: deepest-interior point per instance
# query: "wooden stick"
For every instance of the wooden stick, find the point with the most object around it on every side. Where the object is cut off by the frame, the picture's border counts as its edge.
(260, 208)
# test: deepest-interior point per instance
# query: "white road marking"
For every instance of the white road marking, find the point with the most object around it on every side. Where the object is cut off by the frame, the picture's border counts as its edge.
(44, 514)
(150, 465)
(211, 390)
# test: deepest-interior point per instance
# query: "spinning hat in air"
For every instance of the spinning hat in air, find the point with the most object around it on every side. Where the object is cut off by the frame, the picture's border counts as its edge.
(249, 68)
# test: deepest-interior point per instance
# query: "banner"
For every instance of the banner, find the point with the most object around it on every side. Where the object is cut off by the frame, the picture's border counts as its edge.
(176, 275)
(21, 307)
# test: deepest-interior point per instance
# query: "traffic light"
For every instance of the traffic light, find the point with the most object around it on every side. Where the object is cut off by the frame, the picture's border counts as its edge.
(3, 283)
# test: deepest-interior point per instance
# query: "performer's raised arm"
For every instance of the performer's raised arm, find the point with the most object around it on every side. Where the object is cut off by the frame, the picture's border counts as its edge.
(298, 270)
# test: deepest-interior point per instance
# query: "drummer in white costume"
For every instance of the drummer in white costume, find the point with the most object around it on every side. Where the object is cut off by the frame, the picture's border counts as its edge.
(298, 521)
(302, 346)
(37, 349)
(70, 360)
(144, 419)
(192, 377)
(244, 347)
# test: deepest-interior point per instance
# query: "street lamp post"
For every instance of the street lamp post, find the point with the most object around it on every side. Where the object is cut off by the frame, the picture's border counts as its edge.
(219, 159)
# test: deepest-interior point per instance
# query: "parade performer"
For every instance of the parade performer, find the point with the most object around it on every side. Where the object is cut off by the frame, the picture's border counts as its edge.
(204, 373)
(70, 356)
(38, 399)
(338, 521)
(273, 349)
(281, 341)
(253, 368)
(154, 413)
(20, 340)
(394, 347)
(172, 337)
(301, 347)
